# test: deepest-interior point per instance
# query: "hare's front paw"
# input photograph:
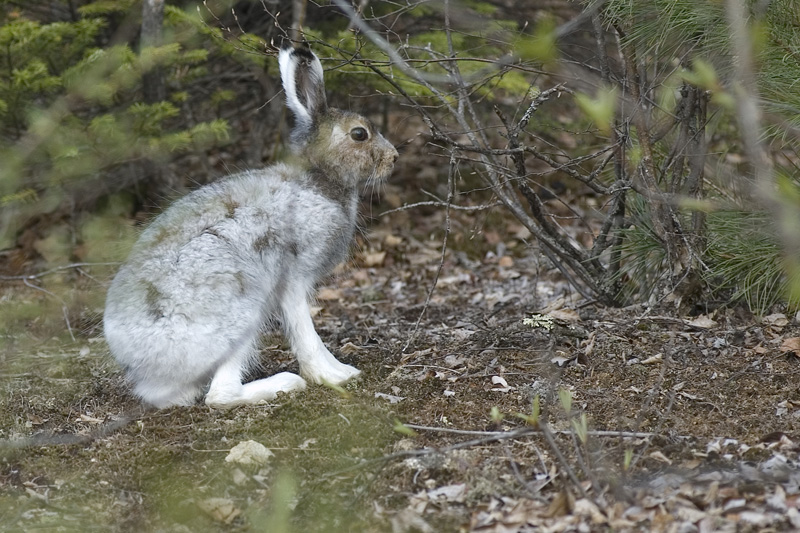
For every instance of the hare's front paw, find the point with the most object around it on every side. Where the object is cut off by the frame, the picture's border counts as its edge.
(328, 370)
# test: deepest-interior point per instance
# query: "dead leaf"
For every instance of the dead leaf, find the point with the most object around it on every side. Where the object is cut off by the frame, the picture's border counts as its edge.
(657, 358)
(567, 315)
(249, 452)
(492, 237)
(390, 397)
(791, 345)
(374, 259)
(562, 504)
(449, 493)
(350, 348)
(327, 293)
(409, 519)
(561, 358)
(392, 241)
(776, 320)
(506, 261)
(660, 457)
(702, 322)
(220, 509)
(501, 385)
(306, 444)
(34, 420)
(585, 507)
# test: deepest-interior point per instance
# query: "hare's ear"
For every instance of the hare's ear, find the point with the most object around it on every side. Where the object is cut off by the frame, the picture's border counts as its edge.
(301, 74)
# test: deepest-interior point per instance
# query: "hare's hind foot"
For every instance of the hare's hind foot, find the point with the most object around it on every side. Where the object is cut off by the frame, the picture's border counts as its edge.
(325, 368)
(225, 392)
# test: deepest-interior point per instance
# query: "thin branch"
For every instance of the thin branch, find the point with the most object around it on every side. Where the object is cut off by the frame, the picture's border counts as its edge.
(69, 439)
(443, 204)
(54, 270)
(449, 201)
(534, 431)
(64, 309)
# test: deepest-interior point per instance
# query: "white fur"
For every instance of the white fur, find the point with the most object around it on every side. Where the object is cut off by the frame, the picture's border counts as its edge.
(288, 67)
(184, 313)
(210, 320)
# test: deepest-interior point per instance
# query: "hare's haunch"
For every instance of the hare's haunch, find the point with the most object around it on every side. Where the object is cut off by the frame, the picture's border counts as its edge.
(184, 313)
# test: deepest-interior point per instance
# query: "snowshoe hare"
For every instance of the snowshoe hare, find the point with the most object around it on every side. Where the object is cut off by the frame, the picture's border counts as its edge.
(184, 313)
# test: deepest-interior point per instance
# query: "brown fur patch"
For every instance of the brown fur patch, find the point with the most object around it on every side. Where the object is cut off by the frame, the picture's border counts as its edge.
(230, 207)
(242, 282)
(264, 241)
(329, 188)
(153, 298)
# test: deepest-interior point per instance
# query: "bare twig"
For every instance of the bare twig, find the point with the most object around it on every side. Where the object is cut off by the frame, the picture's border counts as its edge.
(64, 309)
(450, 192)
(69, 439)
(53, 270)
(534, 431)
(442, 204)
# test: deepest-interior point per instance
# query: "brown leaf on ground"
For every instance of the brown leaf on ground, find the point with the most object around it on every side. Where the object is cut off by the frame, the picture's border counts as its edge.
(791, 345)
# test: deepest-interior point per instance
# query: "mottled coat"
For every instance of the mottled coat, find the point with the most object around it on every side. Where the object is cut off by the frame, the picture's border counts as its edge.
(184, 313)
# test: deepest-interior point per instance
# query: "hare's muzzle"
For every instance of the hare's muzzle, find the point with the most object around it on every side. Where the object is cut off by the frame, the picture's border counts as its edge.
(388, 159)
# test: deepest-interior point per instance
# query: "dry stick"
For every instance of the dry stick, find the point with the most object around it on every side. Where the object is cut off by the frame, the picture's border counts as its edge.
(534, 431)
(569, 255)
(521, 479)
(548, 436)
(450, 188)
(486, 439)
(616, 212)
(381, 43)
(54, 270)
(64, 310)
(586, 180)
(442, 204)
(666, 224)
(25, 278)
(561, 247)
(71, 438)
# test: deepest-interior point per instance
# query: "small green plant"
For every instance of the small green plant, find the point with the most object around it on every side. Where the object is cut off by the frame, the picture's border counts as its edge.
(284, 494)
(338, 389)
(72, 119)
(536, 409)
(565, 397)
(581, 427)
(628, 459)
(403, 429)
(496, 415)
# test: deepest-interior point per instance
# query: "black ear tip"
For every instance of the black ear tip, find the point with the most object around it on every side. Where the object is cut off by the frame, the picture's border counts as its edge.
(303, 48)
(304, 52)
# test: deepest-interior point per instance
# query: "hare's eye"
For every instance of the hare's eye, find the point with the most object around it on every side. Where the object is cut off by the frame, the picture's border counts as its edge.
(359, 134)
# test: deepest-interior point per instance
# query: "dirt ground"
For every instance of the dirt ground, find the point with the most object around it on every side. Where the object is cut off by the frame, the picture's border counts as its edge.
(648, 420)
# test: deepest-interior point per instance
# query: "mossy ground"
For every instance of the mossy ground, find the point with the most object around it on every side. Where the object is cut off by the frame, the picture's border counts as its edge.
(79, 454)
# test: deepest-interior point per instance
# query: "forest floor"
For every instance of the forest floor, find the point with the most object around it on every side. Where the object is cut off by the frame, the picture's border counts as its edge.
(649, 420)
